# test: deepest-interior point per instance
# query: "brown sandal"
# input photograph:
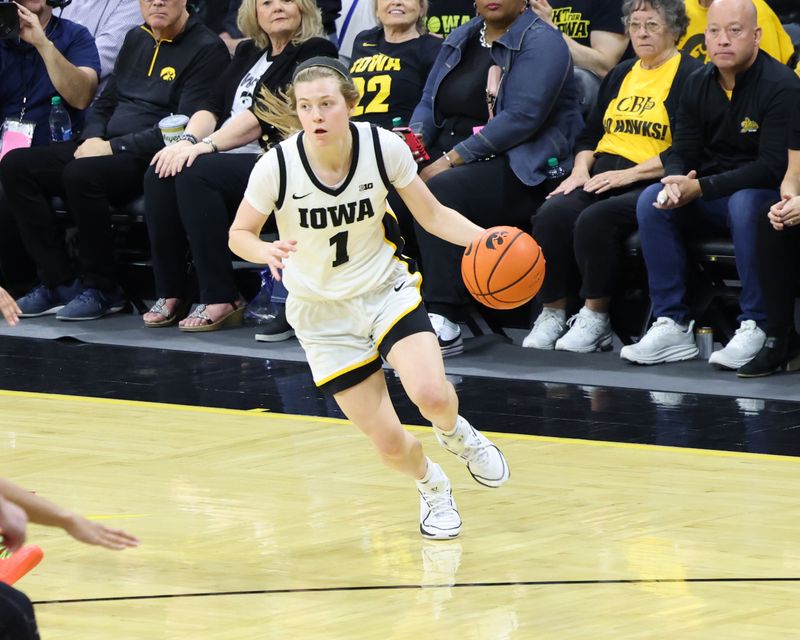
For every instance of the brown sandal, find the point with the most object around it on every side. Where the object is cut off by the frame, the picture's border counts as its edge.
(170, 317)
(231, 319)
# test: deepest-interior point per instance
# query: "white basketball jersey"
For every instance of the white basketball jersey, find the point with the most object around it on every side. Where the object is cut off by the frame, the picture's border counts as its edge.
(348, 240)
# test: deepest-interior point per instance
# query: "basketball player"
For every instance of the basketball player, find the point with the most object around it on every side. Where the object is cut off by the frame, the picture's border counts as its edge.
(17, 506)
(352, 297)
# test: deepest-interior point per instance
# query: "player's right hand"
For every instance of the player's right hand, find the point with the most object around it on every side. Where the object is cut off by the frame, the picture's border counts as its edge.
(275, 253)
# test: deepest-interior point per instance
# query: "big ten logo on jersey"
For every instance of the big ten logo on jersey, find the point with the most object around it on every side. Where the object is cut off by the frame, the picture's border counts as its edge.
(336, 215)
(168, 74)
(375, 90)
(571, 23)
(443, 25)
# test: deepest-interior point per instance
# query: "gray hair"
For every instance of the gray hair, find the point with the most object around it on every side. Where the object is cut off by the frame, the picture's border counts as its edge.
(673, 12)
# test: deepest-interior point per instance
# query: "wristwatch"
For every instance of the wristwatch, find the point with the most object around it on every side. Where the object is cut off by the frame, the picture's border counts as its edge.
(189, 137)
(211, 144)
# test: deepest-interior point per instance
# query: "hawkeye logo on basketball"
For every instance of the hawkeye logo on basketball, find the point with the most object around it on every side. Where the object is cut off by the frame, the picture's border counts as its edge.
(497, 239)
(336, 215)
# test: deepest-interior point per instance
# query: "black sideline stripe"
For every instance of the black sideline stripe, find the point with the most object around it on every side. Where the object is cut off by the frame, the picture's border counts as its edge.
(395, 587)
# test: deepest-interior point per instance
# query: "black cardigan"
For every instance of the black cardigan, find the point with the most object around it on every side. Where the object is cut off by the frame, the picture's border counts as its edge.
(279, 75)
(609, 89)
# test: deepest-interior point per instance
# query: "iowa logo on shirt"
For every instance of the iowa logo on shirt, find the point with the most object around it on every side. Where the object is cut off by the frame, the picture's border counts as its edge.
(749, 126)
(168, 74)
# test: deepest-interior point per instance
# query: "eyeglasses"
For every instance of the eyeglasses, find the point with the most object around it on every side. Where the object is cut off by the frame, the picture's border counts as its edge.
(733, 32)
(651, 26)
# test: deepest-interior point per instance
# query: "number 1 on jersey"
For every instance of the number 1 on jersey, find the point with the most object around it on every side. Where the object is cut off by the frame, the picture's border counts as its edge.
(340, 242)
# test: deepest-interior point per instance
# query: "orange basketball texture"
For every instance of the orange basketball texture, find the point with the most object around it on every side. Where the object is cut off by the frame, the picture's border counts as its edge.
(503, 268)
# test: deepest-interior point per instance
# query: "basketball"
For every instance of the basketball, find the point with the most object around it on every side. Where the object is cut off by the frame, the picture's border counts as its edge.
(503, 268)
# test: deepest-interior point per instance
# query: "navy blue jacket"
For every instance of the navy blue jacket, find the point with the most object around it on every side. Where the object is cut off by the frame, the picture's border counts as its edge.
(536, 113)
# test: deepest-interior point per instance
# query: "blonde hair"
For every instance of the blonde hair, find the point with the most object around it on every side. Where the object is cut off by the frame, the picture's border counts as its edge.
(421, 21)
(310, 22)
(280, 109)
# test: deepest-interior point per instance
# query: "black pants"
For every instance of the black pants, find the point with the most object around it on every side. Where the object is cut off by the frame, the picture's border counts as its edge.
(31, 177)
(17, 620)
(489, 194)
(778, 257)
(582, 237)
(17, 271)
(193, 211)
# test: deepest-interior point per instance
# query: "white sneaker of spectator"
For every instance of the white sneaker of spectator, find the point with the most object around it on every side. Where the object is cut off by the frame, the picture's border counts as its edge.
(548, 328)
(589, 331)
(448, 334)
(665, 341)
(742, 348)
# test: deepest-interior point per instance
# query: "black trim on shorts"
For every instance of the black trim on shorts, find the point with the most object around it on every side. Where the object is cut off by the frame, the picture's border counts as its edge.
(352, 377)
(416, 321)
(281, 177)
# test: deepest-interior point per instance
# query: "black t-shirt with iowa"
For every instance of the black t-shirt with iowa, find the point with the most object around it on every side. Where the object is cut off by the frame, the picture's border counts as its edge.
(446, 15)
(390, 76)
(578, 18)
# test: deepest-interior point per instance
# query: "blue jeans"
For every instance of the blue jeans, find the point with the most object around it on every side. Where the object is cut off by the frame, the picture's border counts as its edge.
(662, 237)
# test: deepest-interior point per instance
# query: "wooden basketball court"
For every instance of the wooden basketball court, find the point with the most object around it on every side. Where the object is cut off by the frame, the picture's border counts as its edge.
(257, 525)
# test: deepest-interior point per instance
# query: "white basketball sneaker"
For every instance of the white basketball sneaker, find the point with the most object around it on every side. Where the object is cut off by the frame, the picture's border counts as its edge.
(588, 332)
(742, 348)
(665, 341)
(548, 328)
(485, 462)
(449, 335)
(438, 515)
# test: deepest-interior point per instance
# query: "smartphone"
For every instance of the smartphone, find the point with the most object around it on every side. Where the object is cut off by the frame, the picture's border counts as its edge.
(9, 20)
(414, 143)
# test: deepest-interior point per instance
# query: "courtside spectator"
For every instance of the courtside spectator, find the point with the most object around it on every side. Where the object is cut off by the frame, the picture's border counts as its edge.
(728, 155)
(192, 192)
(592, 29)
(490, 155)
(774, 39)
(166, 66)
(777, 249)
(108, 21)
(51, 57)
(584, 224)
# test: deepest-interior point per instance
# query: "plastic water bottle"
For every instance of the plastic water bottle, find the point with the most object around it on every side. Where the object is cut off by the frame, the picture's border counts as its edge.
(554, 170)
(60, 123)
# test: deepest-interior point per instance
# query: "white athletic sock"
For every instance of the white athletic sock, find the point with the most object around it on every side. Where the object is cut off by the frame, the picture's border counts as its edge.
(451, 431)
(432, 473)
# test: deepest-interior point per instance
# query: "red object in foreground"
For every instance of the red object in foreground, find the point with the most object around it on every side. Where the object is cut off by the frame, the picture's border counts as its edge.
(13, 567)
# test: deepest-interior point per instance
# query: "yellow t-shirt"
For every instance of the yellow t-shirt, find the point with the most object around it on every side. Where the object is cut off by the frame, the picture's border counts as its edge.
(636, 122)
(774, 39)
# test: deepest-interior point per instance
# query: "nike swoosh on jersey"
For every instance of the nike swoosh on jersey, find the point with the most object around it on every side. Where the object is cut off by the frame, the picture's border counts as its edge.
(397, 287)
(296, 197)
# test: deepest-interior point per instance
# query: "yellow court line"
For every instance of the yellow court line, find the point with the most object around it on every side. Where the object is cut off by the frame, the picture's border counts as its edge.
(255, 413)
